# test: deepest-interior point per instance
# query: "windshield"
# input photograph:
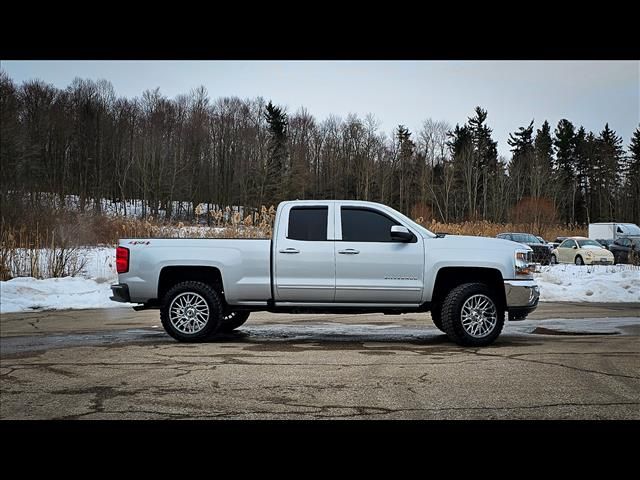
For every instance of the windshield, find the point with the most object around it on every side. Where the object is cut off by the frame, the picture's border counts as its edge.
(588, 243)
(631, 229)
(414, 224)
(525, 238)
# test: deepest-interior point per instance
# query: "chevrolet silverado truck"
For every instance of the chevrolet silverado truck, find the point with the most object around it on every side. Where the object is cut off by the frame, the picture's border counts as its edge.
(330, 257)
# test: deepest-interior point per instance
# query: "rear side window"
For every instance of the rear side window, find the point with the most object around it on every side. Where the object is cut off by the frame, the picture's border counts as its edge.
(308, 223)
(359, 225)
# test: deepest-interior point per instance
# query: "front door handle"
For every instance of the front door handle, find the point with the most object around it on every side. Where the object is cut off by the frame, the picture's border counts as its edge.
(349, 251)
(289, 250)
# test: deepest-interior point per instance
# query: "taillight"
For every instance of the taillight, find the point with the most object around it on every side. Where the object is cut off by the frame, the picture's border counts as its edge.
(122, 260)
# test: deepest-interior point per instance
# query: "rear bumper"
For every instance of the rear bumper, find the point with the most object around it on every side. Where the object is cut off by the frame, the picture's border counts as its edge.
(120, 293)
(522, 295)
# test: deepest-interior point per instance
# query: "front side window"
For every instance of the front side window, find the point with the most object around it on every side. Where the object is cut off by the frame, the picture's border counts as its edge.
(361, 225)
(308, 223)
(567, 244)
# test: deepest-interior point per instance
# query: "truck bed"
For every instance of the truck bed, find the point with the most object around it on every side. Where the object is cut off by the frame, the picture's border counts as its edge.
(244, 264)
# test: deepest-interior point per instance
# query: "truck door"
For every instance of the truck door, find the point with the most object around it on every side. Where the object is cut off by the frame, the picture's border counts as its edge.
(304, 258)
(370, 267)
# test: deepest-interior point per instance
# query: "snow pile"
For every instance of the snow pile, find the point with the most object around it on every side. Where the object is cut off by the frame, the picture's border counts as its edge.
(589, 283)
(89, 290)
(26, 293)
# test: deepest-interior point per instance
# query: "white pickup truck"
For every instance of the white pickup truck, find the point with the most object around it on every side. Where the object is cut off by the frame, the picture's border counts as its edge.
(330, 257)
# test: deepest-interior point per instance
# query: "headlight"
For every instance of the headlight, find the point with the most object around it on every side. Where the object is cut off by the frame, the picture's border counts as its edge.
(523, 265)
(589, 254)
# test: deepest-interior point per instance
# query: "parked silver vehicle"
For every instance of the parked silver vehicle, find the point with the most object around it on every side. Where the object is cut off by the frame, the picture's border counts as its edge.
(331, 257)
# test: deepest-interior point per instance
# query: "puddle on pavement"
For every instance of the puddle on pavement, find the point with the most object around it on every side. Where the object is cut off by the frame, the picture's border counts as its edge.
(549, 331)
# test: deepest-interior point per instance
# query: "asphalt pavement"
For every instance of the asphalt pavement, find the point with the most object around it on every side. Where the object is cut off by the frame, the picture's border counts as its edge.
(567, 361)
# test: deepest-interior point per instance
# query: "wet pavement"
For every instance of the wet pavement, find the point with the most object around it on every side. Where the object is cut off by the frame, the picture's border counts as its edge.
(569, 361)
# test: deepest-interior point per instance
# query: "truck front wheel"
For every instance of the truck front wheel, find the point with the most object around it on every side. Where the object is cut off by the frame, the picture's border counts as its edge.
(191, 311)
(471, 316)
(233, 320)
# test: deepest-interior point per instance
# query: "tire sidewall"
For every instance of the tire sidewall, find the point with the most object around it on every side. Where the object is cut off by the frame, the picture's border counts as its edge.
(436, 315)
(215, 311)
(238, 320)
(581, 260)
(553, 260)
(452, 315)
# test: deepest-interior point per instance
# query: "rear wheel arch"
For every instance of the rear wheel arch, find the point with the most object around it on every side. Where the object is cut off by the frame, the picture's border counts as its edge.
(175, 274)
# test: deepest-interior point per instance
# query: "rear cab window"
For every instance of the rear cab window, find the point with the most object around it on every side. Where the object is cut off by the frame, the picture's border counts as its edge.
(308, 224)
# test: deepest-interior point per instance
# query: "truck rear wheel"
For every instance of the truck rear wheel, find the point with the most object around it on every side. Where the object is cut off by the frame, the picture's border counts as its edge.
(233, 320)
(471, 316)
(191, 311)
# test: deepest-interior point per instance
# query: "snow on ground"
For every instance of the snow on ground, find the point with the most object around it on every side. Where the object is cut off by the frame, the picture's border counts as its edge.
(558, 283)
(27, 294)
(91, 289)
(589, 283)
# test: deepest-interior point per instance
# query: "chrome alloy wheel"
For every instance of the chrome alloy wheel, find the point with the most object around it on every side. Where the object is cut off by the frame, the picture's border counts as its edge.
(189, 313)
(479, 316)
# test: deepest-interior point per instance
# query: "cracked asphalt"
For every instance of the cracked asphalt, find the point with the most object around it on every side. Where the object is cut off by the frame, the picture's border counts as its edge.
(570, 361)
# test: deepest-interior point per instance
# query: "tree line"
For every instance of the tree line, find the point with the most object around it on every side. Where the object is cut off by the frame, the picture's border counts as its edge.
(85, 140)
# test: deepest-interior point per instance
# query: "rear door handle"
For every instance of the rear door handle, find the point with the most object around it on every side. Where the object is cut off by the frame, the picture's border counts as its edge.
(289, 250)
(349, 251)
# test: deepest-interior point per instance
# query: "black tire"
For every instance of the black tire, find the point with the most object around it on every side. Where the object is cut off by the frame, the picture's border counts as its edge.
(579, 260)
(213, 319)
(516, 317)
(553, 260)
(233, 320)
(436, 316)
(452, 315)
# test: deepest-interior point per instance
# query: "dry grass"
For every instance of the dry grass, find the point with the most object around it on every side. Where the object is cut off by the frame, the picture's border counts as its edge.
(20, 256)
(44, 244)
(489, 229)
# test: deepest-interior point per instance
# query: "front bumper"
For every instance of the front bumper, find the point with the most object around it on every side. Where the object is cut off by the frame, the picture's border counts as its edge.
(599, 261)
(522, 295)
(120, 293)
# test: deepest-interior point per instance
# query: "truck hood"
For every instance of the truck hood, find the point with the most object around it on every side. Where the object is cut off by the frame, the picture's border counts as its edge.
(465, 242)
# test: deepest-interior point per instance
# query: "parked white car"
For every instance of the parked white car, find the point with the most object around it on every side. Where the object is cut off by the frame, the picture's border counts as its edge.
(581, 251)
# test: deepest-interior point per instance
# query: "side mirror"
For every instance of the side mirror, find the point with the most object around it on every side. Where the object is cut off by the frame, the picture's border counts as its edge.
(400, 234)
(575, 247)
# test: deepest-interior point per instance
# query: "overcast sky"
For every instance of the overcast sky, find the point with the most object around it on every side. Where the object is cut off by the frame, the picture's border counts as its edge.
(589, 93)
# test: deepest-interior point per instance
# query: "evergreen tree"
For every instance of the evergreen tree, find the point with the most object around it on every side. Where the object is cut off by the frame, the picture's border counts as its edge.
(583, 158)
(632, 181)
(466, 173)
(276, 171)
(485, 155)
(521, 166)
(564, 170)
(609, 166)
(543, 145)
